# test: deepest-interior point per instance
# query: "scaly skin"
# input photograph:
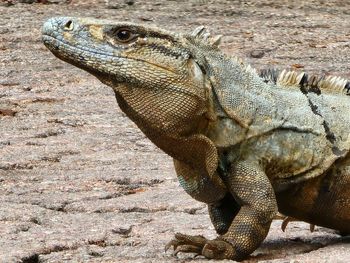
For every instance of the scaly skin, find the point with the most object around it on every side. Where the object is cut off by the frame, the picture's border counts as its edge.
(247, 145)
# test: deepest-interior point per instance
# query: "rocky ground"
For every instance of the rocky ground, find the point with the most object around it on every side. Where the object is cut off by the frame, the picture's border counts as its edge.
(79, 182)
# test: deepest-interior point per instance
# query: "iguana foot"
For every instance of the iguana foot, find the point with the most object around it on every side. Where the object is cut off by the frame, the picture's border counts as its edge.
(213, 249)
(187, 244)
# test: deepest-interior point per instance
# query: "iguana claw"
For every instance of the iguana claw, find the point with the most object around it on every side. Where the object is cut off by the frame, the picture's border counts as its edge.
(288, 219)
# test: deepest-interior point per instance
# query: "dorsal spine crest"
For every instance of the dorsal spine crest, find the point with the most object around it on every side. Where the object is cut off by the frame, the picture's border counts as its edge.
(313, 83)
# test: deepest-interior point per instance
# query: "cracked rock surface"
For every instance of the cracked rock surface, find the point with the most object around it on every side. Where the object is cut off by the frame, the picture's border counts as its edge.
(79, 182)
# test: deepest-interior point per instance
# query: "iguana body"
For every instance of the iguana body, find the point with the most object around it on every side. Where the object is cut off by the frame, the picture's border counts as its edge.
(247, 145)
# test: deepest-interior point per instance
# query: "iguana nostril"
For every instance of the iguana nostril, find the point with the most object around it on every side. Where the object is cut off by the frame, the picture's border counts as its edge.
(69, 25)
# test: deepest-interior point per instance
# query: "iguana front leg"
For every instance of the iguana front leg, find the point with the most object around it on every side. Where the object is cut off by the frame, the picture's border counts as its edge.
(223, 212)
(251, 188)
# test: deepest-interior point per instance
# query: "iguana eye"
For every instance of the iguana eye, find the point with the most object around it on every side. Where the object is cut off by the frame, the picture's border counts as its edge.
(123, 35)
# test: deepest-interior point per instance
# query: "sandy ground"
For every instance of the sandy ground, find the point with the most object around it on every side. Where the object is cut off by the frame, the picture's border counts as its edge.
(80, 183)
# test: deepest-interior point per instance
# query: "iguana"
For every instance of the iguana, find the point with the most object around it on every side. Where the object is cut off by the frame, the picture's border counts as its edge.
(246, 144)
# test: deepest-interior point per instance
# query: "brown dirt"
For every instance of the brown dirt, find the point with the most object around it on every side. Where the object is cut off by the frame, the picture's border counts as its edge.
(79, 182)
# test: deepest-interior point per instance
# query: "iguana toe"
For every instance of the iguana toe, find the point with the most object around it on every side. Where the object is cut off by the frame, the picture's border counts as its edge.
(188, 249)
(218, 249)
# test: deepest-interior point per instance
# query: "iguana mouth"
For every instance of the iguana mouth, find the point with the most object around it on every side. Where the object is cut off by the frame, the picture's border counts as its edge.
(49, 44)
(55, 46)
(49, 41)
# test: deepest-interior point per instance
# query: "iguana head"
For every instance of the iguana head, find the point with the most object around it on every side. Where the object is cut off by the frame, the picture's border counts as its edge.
(156, 78)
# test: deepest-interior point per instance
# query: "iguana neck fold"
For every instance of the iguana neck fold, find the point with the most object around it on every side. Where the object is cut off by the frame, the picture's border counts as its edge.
(240, 92)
